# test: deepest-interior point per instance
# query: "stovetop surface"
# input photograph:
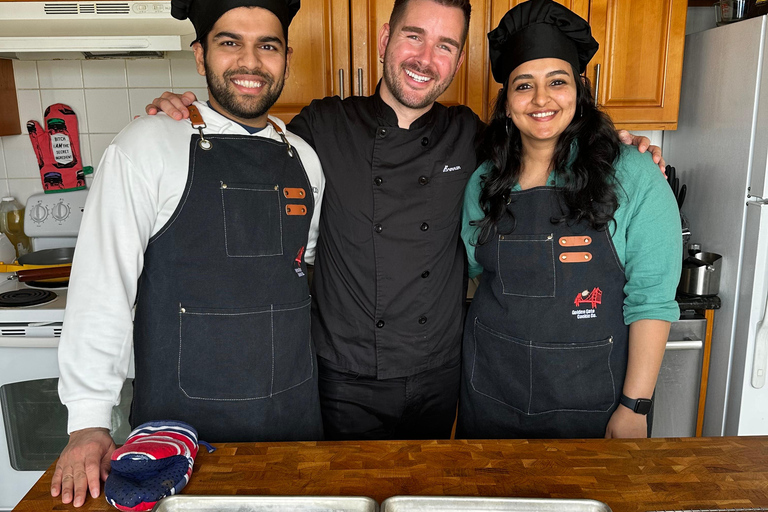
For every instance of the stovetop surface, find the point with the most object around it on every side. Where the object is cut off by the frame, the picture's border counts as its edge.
(49, 312)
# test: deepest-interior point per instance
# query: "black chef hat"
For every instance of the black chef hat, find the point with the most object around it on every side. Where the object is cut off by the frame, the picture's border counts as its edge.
(204, 13)
(539, 29)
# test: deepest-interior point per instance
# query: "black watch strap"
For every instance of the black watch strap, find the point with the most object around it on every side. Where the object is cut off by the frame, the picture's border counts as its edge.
(638, 405)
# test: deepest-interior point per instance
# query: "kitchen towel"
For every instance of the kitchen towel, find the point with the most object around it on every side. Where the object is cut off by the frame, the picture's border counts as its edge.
(155, 461)
(57, 146)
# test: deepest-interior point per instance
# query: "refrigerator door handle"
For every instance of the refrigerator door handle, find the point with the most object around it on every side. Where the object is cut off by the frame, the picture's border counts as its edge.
(755, 200)
(761, 351)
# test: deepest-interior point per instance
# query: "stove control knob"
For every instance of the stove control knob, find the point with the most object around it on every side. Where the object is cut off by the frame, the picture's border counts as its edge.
(60, 211)
(38, 213)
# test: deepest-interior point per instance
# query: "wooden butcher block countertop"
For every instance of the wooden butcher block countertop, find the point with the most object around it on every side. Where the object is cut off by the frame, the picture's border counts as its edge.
(628, 475)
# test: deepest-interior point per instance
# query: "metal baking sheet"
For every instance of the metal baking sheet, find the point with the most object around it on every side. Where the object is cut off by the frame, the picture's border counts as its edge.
(191, 503)
(477, 504)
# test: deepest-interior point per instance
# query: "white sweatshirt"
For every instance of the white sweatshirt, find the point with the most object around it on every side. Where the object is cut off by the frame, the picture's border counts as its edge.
(137, 187)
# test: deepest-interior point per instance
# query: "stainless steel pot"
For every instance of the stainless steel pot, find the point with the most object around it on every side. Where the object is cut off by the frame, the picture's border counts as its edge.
(701, 274)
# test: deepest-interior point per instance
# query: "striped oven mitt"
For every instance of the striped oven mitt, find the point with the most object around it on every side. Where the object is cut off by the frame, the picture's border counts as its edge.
(155, 461)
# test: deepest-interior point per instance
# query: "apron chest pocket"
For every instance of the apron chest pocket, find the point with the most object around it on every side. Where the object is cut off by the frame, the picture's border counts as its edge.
(526, 265)
(244, 354)
(253, 222)
(537, 378)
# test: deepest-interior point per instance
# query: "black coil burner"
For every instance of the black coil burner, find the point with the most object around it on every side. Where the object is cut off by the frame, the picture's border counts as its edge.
(26, 297)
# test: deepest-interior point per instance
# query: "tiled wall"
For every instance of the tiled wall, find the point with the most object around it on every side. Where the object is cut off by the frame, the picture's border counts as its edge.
(105, 95)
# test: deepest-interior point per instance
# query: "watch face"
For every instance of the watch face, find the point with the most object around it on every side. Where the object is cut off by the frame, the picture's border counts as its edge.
(643, 406)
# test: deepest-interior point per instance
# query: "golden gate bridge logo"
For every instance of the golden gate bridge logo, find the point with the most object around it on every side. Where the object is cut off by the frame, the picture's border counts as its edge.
(592, 298)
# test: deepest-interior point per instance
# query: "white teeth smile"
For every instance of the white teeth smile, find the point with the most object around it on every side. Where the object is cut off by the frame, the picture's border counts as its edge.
(416, 77)
(250, 84)
(543, 114)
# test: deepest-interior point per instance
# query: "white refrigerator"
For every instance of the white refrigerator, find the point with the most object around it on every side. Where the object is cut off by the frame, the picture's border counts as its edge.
(720, 150)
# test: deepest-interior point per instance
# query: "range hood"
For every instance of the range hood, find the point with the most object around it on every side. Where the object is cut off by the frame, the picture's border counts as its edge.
(108, 26)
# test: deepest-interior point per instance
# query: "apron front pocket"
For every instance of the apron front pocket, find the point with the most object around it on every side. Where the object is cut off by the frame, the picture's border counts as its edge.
(500, 370)
(526, 265)
(536, 378)
(253, 222)
(572, 377)
(244, 353)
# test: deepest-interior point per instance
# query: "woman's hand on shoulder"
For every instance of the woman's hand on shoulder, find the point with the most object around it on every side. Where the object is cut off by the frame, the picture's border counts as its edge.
(626, 424)
(643, 144)
(174, 105)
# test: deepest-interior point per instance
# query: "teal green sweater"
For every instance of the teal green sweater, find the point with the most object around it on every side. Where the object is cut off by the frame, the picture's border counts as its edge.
(646, 235)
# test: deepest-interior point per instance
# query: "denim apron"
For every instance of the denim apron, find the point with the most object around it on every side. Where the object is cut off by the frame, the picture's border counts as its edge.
(221, 333)
(545, 345)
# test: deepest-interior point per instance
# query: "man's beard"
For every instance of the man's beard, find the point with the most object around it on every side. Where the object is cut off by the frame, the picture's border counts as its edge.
(221, 90)
(398, 90)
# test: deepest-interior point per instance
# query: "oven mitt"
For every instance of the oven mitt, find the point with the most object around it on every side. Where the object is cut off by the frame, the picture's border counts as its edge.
(155, 461)
(57, 146)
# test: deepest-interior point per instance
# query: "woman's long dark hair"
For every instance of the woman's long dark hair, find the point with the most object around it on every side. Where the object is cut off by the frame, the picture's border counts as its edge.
(586, 187)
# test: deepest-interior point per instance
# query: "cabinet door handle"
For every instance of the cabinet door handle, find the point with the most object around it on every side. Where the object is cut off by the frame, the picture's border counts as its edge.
(341, 83)
(359, 81)
(597, 84)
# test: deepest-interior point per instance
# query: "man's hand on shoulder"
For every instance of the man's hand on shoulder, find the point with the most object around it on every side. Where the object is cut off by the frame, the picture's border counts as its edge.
(174, 105)
(84, 464)
(643, 144)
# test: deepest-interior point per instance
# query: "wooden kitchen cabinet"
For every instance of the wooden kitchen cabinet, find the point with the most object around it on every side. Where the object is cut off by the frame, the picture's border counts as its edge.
(319, 35)
(640, 60)
(9, 116)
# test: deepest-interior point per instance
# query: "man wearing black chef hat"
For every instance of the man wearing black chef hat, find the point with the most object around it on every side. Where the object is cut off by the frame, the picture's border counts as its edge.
(207, 225)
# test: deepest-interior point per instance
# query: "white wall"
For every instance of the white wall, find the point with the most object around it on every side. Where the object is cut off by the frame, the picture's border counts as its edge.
(105, 95)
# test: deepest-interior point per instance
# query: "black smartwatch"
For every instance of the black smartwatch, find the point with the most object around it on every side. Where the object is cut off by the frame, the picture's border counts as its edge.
(638, 405)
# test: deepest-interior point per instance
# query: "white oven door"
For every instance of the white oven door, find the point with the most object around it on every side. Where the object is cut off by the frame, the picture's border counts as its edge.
(33, 427)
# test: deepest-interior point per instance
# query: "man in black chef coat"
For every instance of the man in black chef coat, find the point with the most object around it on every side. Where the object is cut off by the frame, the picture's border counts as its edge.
(389, 274)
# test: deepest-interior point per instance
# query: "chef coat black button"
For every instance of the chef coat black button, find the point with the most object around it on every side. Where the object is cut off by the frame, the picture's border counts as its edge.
(377, 180)
(423, 180)
(423, 320)
(424, 141)
(424, 226)
(377, 228)
(380, 324)
(425, 274)
(382, 132)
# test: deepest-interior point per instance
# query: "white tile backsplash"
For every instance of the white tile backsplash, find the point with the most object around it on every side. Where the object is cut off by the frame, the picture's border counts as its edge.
(140, 98)
(105, 95)
(20, 158)
(149, 73)
(30, 107)
(184, 74)
(85, 149)
(99, 143)
(3, 175)
(107, 109)
(60, 74)
(21, 188)
(104, 73)
(25, 74)
(74, 98)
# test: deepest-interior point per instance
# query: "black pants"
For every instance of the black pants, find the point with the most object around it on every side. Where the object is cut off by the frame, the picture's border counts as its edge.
(422, 406)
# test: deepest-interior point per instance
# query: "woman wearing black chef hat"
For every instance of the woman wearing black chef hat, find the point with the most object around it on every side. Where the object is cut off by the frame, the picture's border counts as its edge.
(577, 239)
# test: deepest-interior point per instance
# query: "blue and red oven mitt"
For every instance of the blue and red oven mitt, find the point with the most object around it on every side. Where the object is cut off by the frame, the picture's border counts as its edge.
(155, 461)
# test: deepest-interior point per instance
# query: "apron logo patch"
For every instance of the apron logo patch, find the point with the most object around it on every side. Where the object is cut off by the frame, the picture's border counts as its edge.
(593, 298)
(297, 263)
